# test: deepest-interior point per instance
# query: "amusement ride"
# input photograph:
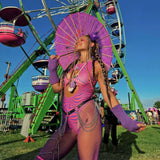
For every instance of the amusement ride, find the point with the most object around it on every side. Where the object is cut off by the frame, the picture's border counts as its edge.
(42, 107)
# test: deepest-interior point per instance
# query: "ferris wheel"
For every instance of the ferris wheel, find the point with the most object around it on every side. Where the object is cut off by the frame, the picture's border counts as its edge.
(107, 11)
(51, 13)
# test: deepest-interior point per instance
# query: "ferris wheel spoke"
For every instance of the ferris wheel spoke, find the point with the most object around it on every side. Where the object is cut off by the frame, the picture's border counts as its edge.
(49, 15)
(61, 2)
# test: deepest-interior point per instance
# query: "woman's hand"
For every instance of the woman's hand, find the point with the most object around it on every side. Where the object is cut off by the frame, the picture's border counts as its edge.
(54, 56)
(53, 77)
(141, 127)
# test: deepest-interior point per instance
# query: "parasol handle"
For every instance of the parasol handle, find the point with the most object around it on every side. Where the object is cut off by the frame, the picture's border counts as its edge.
(59, 56)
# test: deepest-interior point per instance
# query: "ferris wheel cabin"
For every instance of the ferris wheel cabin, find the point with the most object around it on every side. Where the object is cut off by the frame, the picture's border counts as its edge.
(110, 8)
(115, 29)
(9, 34)
(40, 82)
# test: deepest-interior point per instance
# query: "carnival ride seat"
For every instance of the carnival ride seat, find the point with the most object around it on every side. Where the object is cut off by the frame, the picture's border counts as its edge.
(110, 8)
(117, 74)
(40, 83)
(121, 55)
(11, 36)
(115, 28)
(112, 80)
(117, 46)
(115, 65)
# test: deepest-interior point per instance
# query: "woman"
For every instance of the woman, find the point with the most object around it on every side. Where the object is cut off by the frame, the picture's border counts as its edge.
(81, 119)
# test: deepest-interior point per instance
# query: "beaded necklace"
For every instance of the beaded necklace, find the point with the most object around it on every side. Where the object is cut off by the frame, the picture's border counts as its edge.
(73, 85)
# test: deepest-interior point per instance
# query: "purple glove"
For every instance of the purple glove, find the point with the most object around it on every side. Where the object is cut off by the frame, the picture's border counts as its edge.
(52, 67)
(125, 120)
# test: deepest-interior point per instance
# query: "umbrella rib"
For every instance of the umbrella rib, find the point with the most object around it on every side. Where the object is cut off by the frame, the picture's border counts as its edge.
(92, 26)
(104, 37)
(107, 65)
(71, 58)
(79, 22)
(66, 54)
(85, 24)
(65, 38)
(64, 44)
(65, 32)
(106, 55)
(69, 28)
(73, 25)
(100, 28)
(64, 51)
(105, 47)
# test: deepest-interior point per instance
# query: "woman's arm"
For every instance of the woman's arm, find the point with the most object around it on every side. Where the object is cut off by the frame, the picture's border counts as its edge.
(116, 108)
(53, 77)
(108, 96)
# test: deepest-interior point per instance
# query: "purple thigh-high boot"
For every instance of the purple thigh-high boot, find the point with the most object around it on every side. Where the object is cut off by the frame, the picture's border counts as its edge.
(125, 120)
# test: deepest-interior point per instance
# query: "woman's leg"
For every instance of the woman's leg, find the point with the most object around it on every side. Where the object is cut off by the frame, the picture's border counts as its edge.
(107, 131)
(114, 134)
(58, 146)
(89, 139)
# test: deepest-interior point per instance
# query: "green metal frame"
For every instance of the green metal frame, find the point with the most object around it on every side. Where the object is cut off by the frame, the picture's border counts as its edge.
(33, 29)
(15, 104)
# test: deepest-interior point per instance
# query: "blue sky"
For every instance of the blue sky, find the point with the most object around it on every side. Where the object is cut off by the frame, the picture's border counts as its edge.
(141, 23)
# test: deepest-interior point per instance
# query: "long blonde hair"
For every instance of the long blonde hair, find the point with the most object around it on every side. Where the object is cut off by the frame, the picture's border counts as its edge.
(96, 57)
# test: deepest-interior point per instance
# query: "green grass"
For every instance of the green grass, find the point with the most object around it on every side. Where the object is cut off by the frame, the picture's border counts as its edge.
(144, 145)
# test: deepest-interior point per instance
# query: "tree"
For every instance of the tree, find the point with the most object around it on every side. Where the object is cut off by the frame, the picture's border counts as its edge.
(157, 105)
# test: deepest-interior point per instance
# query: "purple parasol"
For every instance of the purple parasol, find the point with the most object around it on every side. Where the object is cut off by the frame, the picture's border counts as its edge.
(74, 26)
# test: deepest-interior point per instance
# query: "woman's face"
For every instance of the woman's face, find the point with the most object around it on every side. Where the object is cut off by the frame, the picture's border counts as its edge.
(82, 43)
